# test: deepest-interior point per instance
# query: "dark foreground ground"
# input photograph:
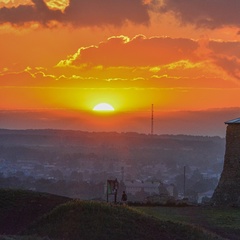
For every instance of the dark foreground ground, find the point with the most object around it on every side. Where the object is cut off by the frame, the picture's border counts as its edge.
(26, 215)
(225, 222)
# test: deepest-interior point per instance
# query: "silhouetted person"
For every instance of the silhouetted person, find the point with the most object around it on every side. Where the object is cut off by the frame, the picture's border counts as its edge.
(124, 197)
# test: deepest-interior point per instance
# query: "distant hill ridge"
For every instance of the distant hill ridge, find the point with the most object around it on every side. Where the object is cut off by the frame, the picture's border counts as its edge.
(49, 145)
(21, 137)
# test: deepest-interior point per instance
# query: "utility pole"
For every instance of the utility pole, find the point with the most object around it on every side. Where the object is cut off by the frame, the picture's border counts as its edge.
(122, 173)
(184, 180)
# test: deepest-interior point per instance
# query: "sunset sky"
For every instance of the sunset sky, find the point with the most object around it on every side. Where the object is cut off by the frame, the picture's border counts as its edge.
(60, 58)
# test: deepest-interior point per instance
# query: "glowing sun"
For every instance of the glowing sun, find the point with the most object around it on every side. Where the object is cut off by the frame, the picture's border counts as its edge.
(104, 107)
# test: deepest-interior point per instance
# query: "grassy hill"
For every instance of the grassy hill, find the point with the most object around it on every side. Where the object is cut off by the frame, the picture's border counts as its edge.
(19, 208)
(90, 220)
(34, 215)
(222, 221)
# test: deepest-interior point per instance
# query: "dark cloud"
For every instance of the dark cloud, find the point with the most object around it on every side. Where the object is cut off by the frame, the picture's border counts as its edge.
(205, 13)
(229, 64)
(79, 13)
(38, 12)
(95, 12)
(225, 56)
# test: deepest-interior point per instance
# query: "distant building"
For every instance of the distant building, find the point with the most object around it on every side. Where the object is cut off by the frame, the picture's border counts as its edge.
(227, 192)
(172, 190)
(137, 186)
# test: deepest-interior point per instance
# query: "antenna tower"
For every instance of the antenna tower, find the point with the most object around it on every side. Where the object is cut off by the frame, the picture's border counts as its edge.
(152, 121)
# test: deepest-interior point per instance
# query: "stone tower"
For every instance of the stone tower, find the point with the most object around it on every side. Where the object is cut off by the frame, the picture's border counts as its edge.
(227, 192)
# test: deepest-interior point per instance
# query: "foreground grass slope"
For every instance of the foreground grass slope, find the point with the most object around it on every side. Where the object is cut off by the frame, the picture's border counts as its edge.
(31, 215)
(90, 220)
(222, 221)
(19, 208)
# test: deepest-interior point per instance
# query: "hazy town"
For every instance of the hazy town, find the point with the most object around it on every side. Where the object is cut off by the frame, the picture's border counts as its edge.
(78, 164)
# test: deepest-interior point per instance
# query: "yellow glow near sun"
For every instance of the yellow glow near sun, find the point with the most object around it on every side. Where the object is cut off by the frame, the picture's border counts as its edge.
(104, 107)
(57, 4)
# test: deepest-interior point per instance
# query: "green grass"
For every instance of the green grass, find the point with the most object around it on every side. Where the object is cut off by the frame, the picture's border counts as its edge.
(10, 198)
(9, 237)
(19, 208)
(26, 215)
(224, 218)
(224, 221)
(90, 220)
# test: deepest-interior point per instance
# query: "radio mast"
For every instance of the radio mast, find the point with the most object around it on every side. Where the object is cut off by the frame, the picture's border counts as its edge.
(152, 121)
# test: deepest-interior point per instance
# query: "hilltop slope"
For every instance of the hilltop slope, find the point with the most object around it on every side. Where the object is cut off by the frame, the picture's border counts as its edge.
(19, 208)
(78, 220)
(32, 215)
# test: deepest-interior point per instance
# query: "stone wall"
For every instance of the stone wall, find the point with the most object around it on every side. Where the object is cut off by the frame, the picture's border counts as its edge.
(227, 192)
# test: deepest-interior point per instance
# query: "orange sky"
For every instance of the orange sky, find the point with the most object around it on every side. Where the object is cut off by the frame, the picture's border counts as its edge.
(64, 57)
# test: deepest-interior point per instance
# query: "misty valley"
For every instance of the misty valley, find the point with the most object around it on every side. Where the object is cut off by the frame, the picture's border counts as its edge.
(78, 164)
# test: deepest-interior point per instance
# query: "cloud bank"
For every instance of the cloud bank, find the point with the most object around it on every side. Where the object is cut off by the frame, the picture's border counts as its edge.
(138, 51)
(157, 57)
(202, 123)
(139, 62)
(204, 13)
(79, 13)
